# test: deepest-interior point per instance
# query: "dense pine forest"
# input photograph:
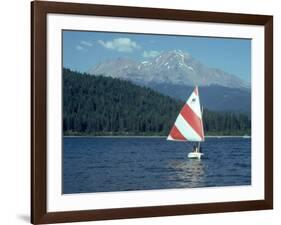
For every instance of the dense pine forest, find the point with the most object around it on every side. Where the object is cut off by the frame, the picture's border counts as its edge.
(97, 105)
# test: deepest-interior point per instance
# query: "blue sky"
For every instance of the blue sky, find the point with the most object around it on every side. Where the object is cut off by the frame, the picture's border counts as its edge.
(83, 50)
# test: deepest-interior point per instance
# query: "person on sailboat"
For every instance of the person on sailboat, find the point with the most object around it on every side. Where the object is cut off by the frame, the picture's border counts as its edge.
(194, 148)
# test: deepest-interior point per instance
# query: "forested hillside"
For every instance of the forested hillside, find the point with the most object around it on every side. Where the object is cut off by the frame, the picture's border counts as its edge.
(97, 105)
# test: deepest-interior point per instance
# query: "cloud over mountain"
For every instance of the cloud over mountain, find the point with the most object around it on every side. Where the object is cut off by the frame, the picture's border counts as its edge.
(120, 44)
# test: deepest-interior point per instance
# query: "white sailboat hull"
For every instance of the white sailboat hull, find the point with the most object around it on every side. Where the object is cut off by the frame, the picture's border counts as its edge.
(195, 155)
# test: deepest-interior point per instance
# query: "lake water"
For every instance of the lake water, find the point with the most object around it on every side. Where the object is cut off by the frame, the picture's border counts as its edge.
(96, 164)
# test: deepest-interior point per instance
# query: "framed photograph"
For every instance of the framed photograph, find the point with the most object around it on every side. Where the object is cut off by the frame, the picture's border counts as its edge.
(144, 112)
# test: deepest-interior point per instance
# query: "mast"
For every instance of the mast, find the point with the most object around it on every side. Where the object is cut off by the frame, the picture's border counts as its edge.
(202, 129)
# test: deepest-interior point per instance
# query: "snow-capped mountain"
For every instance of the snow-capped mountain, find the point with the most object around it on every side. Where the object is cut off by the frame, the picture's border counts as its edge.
(173, 67)
(175, 73)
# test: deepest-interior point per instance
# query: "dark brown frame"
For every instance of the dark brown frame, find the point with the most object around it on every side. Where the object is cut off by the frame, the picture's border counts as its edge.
(39, 11)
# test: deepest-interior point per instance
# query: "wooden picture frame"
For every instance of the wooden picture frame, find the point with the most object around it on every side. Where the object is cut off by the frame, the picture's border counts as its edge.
(39, 11)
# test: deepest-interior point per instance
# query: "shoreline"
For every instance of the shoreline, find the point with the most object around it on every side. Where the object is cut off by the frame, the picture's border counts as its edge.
(211, 136)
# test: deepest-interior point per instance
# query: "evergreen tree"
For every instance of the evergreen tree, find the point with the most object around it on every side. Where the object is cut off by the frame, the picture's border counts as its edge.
(97, 105)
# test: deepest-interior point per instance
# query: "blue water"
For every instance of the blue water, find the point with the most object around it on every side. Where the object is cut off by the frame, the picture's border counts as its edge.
(98, 164)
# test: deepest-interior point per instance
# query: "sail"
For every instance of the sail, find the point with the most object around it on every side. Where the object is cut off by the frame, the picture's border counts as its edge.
(188, 125)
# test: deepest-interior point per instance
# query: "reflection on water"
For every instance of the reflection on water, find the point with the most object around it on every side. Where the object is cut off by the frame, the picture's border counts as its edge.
(190, 173)
(121, 164)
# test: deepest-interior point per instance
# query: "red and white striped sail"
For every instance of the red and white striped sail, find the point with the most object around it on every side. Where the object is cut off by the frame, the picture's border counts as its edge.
(189, 124)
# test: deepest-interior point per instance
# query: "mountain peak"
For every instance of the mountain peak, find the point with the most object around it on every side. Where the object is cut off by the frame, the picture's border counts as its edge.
(178, 52)
(174, 67)
(176, 55)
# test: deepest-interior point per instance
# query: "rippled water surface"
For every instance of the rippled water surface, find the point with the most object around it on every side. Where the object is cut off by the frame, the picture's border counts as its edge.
(96, 164)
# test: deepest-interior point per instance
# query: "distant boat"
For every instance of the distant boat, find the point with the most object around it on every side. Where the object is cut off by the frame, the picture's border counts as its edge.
(246, 136)
(189, 125)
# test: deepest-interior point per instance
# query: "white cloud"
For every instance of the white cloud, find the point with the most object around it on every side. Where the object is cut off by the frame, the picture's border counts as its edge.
(120, 44)
(79, 48)
(150, 54)
(86, 43)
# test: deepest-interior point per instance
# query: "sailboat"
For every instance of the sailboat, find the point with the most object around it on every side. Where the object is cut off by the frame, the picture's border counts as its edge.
(189, 125)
